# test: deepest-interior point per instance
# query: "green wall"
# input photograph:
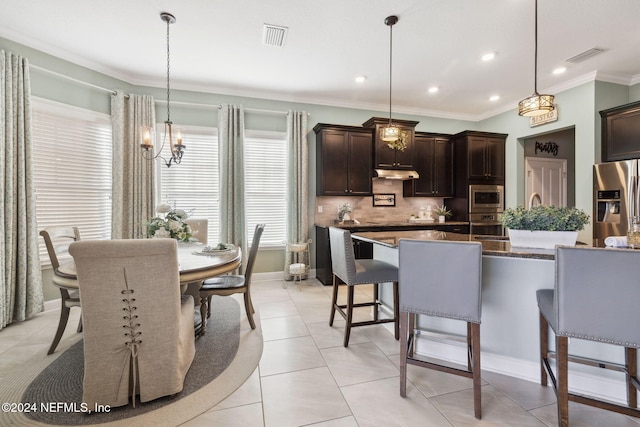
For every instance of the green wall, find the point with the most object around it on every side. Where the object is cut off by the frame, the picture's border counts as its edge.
(578, 108)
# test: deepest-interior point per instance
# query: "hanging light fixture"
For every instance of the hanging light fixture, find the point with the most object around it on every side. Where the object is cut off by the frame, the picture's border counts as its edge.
(536, 104)
(390, 133)
(176, 146)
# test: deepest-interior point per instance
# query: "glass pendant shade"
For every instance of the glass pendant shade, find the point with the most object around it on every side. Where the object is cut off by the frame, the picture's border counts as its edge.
(390, 133)
(536, 105)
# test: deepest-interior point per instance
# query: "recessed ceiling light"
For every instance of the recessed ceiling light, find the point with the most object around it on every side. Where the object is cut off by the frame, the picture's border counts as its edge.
(488, 56)
(494, 97)
(361, 79)
(434, 89)
(559, 70)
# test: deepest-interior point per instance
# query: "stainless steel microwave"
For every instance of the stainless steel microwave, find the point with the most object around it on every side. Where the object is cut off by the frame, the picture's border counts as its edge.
(486, 198)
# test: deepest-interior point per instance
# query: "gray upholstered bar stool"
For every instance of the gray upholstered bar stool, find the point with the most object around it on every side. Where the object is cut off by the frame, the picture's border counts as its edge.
(357, 272)
(441, 279)
(595, 298)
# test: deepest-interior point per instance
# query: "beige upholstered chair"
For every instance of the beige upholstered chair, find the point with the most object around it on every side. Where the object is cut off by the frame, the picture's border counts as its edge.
(138, 329)
(199, 229)
(232, 284)
(57, 240)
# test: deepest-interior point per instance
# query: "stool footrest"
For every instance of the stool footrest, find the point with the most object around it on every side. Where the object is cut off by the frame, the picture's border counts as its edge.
(592, 362)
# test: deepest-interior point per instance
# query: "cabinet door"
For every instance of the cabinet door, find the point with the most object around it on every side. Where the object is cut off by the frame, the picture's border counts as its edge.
(385, 156)
(443, 180)
(360, 163)
(389, 158)
(495, 158)
(334, 173)
(476, 148)
(424, 154)
(405, 159)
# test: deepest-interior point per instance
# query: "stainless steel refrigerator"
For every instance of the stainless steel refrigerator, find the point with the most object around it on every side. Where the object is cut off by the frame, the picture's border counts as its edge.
(616, 198)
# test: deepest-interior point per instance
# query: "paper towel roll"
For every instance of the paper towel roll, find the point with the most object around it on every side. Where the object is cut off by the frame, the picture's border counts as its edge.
(616, 241)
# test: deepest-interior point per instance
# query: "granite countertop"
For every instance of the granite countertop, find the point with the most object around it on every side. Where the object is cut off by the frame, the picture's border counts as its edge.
(491, 245)
(379, 224)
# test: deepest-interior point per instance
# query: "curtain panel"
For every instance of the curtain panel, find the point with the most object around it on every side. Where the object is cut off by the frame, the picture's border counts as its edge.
(297, 181)
(21, 294)
(231, 167)
(133, 194)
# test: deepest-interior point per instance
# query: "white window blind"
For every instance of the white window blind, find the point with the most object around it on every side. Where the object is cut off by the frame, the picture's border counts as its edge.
(266, 185)
(193, 184)
(72, 174)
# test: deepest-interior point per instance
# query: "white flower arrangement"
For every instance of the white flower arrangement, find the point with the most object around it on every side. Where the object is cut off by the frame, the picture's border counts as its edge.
(169, 223)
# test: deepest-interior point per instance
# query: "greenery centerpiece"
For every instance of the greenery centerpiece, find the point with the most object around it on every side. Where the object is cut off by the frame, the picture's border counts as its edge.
(544, 226)
(344, 211)
(442, 211)
(169, 223)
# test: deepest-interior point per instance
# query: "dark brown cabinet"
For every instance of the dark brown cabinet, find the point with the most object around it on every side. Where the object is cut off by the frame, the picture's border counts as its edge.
(621, 132)
(344, 160)
(389, 158)
(480, 157)
(434, 164)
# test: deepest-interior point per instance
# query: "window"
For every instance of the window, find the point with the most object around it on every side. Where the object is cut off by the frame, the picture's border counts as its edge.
(193, 184)
(72, 173)
(265, 165)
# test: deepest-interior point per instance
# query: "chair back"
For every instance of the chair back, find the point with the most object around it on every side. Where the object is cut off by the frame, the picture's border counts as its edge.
(57, 240)
(199, 229)
(596, 294)
(441, 278)
(257, 234)
(132, 313)
(343, 260)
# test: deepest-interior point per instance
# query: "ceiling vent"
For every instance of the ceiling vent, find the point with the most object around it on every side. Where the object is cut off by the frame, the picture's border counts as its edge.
(585, 55)
(274, 35)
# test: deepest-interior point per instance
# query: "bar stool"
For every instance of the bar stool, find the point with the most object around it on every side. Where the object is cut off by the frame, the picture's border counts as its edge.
(357, 272)
(595, 298)
(441, 279)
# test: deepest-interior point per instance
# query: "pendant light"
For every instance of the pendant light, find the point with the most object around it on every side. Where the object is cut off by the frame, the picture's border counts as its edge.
(536, 104)
(390, 133)
(176, 147)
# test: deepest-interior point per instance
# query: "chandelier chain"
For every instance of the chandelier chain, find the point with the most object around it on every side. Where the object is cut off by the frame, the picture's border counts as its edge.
(168, 68)
(535, 61)
(390, 67)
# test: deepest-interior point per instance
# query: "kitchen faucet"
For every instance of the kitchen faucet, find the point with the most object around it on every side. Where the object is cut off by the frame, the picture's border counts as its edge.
(535, 198)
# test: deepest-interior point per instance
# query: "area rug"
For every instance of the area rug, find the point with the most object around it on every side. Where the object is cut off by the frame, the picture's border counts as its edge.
(225, 357)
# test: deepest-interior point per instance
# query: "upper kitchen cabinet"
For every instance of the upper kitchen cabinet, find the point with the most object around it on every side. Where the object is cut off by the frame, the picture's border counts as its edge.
(434, 163)
(391, 158)
(480, 157)
(620, 130)
(344, 160)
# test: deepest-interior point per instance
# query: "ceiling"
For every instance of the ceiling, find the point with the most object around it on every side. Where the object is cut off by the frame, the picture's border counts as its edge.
(216, 47)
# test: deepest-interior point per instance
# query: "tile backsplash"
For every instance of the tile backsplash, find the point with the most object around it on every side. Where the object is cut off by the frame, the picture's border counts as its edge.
(363, 209)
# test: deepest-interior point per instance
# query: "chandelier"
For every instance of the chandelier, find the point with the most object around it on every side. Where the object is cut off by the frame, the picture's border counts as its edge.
(176, 146)
(390, 133)
(536, 104)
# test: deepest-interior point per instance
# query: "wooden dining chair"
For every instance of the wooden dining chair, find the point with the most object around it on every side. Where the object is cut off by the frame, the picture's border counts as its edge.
(199, 228)
(57, 240)
(232, 284)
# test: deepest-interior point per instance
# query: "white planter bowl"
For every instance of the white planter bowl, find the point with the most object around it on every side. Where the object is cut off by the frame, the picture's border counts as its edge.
(542, 239)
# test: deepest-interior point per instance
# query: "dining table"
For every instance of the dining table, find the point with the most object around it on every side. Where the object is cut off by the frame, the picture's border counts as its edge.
(196, 263)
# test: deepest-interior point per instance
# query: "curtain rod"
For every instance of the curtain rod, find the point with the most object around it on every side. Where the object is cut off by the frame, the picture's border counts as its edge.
(113, 92)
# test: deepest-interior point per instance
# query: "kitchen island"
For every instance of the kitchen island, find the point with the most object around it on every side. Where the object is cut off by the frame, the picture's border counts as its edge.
(509, 331)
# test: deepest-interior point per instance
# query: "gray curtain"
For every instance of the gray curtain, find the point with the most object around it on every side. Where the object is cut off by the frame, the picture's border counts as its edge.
(133, 193)
(231, 167)
(297, 180)
(21, 294)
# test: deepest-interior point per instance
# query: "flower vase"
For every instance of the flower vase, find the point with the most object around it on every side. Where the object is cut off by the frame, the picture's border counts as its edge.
(346, 216)
(441, 218)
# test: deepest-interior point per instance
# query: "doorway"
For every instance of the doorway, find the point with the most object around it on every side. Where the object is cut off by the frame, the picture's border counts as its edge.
(546, 178)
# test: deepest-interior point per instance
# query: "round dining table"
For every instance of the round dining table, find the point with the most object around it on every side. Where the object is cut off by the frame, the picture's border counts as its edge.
(195, 265)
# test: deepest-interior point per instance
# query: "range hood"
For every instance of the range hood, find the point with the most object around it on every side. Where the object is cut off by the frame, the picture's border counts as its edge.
(397, 174)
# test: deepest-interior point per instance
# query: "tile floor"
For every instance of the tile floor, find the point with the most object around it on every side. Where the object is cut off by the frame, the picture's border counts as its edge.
(307, 378)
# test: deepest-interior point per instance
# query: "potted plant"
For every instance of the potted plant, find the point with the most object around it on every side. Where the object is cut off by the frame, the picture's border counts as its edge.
(442, 212)
(543, 226)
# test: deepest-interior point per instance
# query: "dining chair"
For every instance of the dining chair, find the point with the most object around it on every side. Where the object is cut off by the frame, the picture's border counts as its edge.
(199, 228)
(358, 272)
(595, 298)
(57, 240)
(441, 279)
(232, 284)
(138, 328)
